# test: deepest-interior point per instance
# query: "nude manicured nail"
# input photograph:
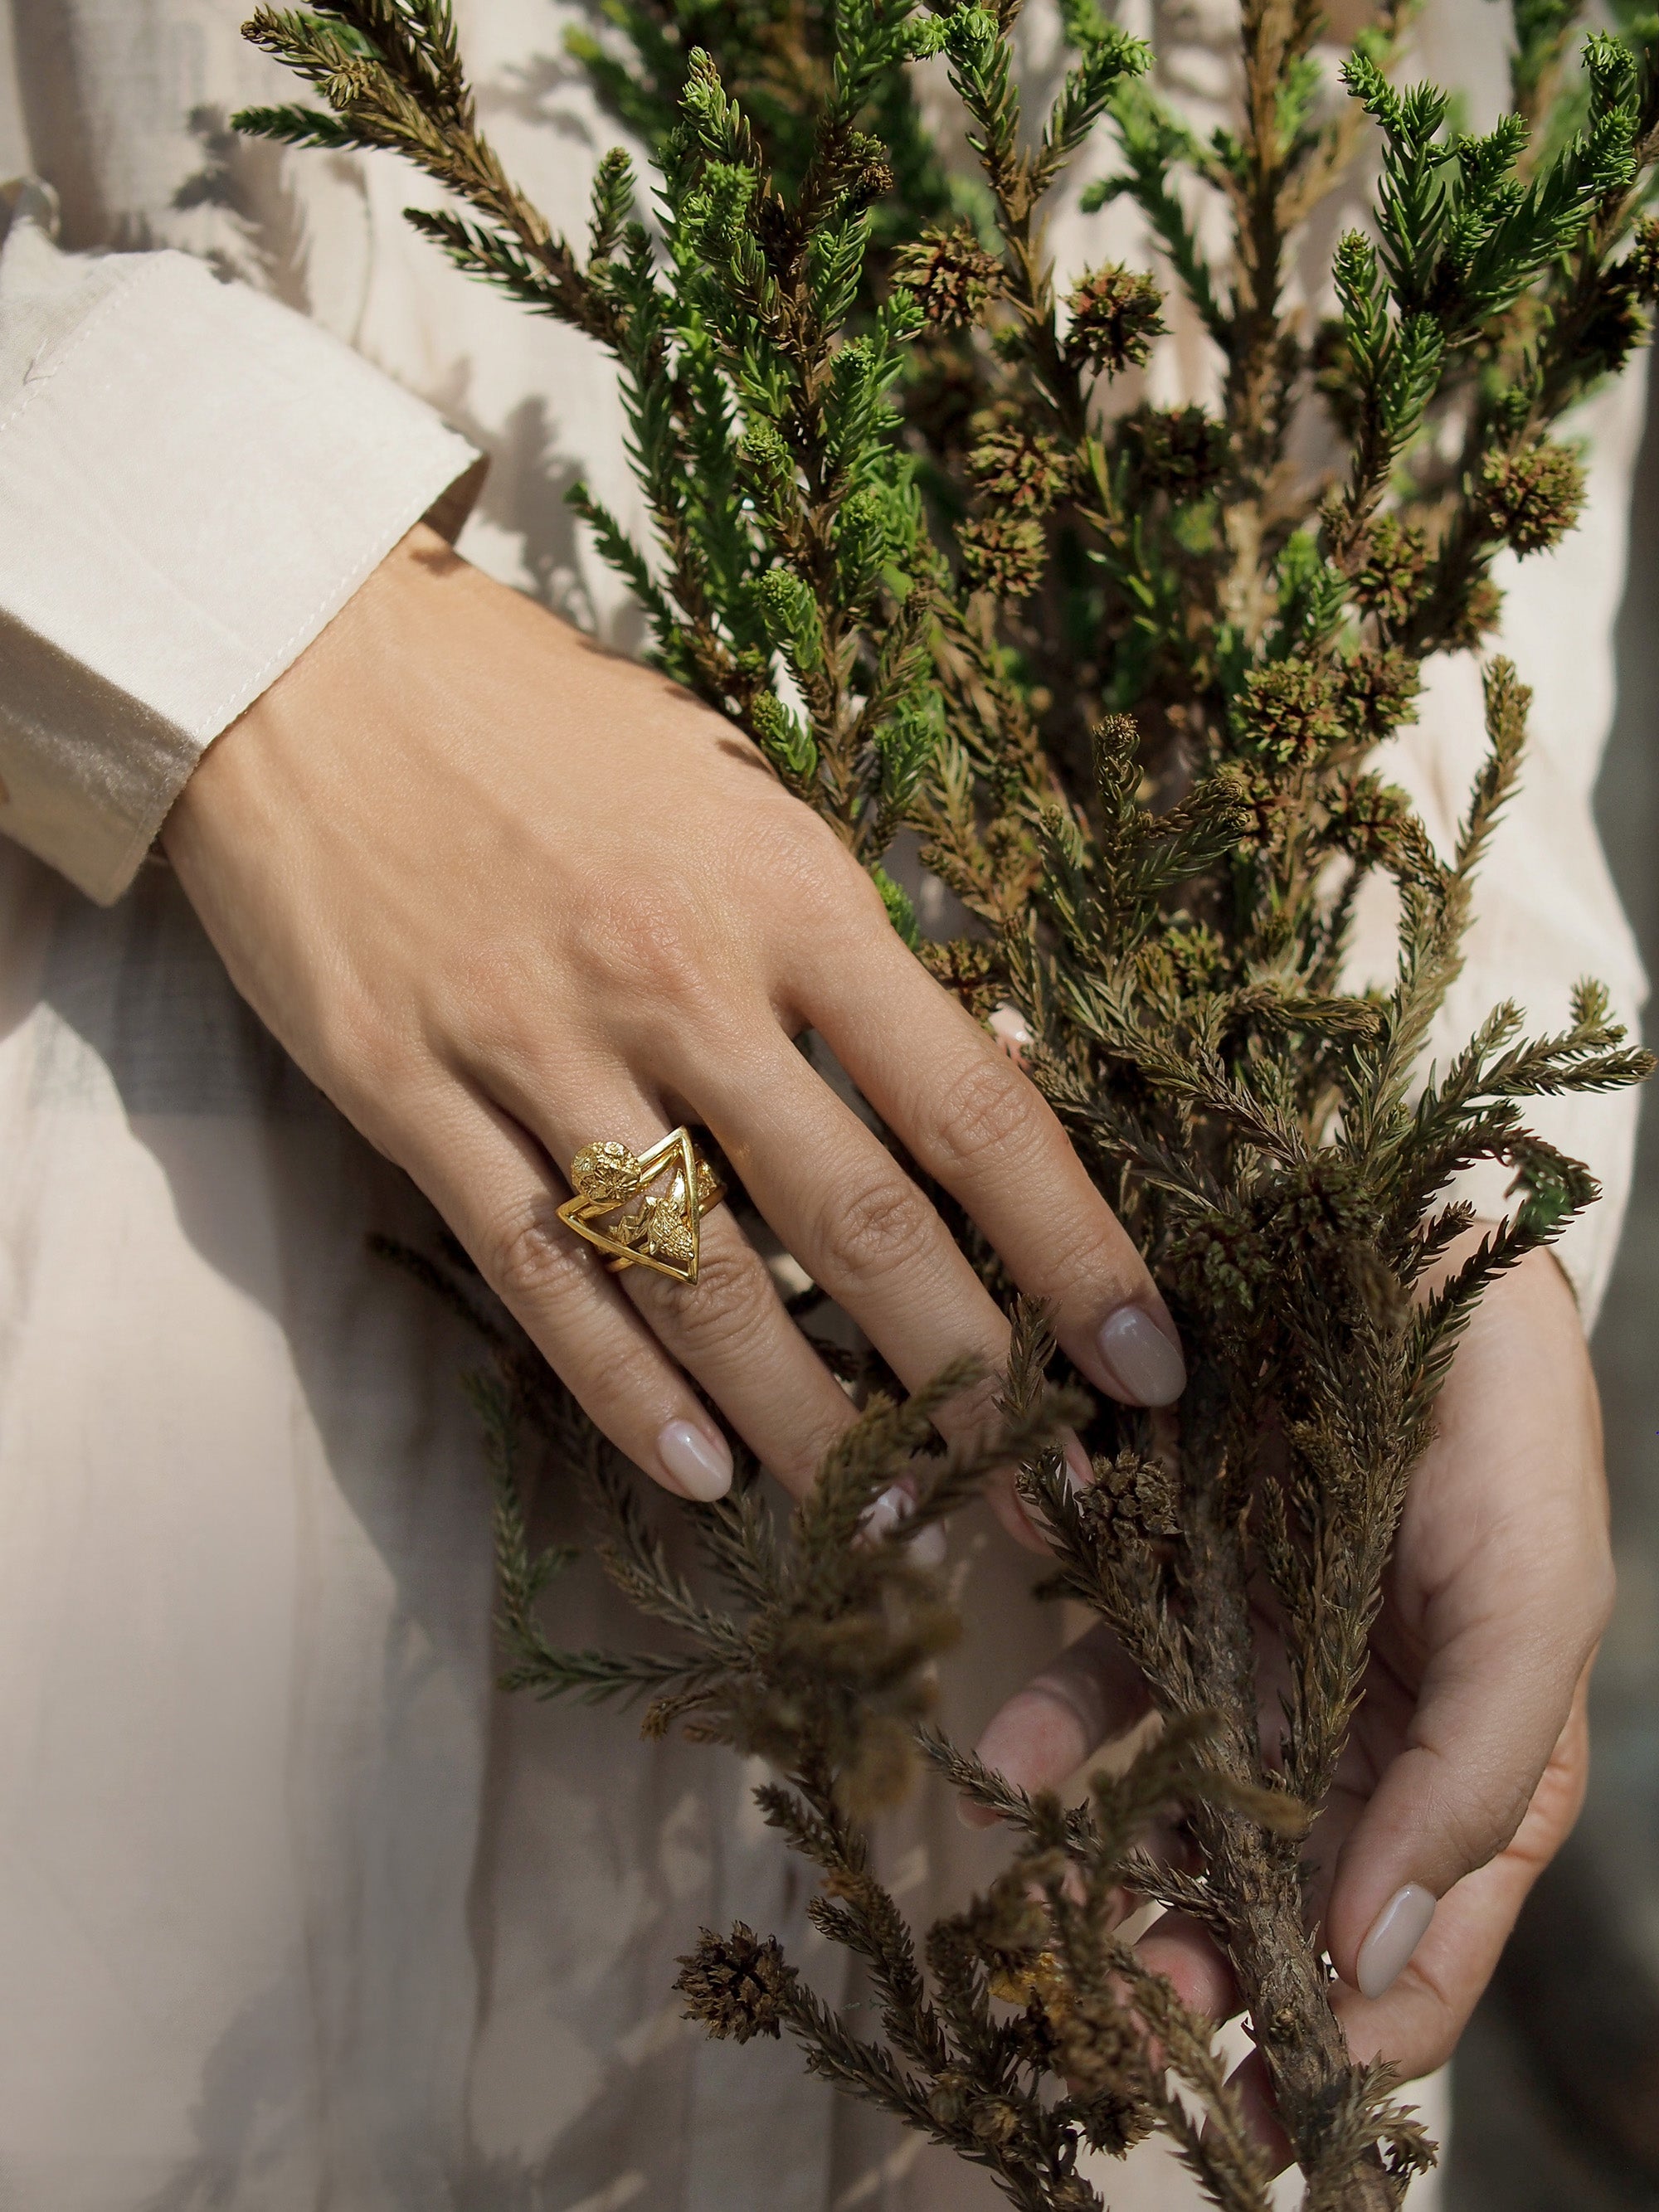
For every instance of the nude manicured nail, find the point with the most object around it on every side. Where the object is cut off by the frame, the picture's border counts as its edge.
(1146, 1367)
(1080, 1467)
(1012, 1032)
(699, 1463)
(889, 1509)
(1395, 1934)
(897, 1504)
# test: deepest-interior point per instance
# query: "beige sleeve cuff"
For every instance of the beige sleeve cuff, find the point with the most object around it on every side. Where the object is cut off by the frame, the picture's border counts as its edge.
(193, 481)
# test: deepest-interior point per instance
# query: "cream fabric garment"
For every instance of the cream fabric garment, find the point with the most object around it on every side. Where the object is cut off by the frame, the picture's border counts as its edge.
(192, 483)
(294, 1912)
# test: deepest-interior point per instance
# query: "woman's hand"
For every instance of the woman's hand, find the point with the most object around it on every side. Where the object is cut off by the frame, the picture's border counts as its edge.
(500, 894)
(1467, 1764)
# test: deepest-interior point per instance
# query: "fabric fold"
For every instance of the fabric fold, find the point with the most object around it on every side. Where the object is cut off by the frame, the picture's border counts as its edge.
(193, 481)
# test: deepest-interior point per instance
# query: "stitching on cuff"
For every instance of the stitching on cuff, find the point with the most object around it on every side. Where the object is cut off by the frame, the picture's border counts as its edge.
(116, 881)
(452, 458)
(117, 295)
(113, 881)
(334, 597)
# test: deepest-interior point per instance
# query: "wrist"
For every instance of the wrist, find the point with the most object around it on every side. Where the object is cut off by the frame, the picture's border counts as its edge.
(321, 707)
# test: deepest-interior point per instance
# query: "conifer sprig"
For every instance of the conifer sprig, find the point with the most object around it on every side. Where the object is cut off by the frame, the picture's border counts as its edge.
(1122, 668)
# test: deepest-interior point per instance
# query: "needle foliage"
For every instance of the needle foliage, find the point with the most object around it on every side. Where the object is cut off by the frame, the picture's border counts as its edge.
(1122, 670)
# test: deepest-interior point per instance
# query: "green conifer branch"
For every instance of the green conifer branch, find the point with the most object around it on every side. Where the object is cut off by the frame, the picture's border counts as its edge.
(1125, 677)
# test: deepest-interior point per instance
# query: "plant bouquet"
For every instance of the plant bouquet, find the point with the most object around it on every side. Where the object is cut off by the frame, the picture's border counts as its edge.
(1122, 669)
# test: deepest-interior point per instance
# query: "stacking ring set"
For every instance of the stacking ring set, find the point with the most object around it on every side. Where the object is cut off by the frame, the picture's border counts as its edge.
(616, 1209)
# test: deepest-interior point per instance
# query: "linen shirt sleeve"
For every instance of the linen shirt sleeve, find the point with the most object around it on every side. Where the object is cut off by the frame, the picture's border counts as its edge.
(193, 481)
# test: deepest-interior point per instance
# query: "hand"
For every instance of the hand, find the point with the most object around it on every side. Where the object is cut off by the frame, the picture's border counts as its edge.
(500, 893)
(1466, 1765)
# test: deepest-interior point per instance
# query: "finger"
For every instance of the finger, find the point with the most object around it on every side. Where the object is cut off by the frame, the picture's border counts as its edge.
(1415, 2024)
(1191, 1962)
(1252, 2089)
(1190, 1959)
(1505, 1585)
(976, 1125)
(495, 1186)
(860, 1227)
(1492, 1704)
(1381, 1726)
(731, 1330)
(1084, 1698)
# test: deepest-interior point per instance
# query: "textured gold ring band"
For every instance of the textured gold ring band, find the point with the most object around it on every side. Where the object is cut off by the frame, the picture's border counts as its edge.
(617, 1211)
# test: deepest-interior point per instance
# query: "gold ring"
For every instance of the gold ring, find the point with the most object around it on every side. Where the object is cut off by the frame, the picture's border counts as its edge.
(616, 1211)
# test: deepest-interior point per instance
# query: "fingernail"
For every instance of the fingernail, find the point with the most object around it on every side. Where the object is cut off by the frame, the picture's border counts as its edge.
(1146, 1366)
(1035, 1527)
(1012, 1031)
(1395, 1934)
(699, 1463)
(1079, 1468)
(889, 1509)
(927, 1545)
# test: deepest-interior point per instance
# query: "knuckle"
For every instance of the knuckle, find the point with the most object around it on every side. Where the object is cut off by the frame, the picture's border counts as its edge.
(531, 1263)
(1079, 1250)
(879, 1228)
(662, 952)
(974, 1410)
(1435, 2042)
(645, 950)
(731, 1300)
(986, 1111)
(1476, 1833)
(1601, 1589)
(1556, 1803)
(802, 845)
(798, 1464)
(360, 1055)
(1575, 1596)
(819, 892)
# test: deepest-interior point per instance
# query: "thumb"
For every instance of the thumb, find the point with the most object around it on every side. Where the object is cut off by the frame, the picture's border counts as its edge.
(1503, 1583)
(1492, 1707)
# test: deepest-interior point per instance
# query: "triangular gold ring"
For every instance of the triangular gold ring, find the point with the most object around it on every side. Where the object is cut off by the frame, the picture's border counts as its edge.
(615, 1211)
